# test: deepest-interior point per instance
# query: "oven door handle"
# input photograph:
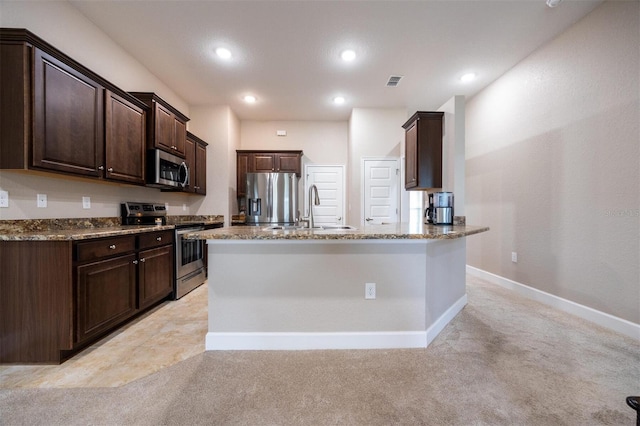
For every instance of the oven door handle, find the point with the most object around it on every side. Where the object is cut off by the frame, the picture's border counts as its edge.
(188, 230)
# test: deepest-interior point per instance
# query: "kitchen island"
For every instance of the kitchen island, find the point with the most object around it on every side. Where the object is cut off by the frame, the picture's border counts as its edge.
(305, 289)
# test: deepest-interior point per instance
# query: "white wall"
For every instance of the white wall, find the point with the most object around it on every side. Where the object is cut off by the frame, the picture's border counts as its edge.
(553, 163)
(373, 132)
(65, 28)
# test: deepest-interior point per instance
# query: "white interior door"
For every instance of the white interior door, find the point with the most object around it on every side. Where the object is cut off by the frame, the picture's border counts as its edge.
(330, 183)
(381, 191)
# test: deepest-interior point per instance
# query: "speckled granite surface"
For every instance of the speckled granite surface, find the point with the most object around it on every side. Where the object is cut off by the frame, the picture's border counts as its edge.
(207, 219)
(85, 228)
(401, 231)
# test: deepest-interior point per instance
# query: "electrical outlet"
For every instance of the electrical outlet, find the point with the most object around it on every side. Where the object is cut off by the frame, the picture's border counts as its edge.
(370, 290)
(42, 200)
(86, 202)
(514, 257)
(4, 198)
(184, 207)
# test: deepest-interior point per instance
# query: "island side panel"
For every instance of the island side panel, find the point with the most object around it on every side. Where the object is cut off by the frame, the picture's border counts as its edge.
(316, 287)
(446, 283)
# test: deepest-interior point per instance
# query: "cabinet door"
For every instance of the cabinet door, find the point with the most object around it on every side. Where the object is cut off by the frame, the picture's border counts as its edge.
(262, 163)
(106, 295)
(164, 128)
(155, 274)
(242, 168)
(201, 169)
(68, 119)
(179, 137)
(288, 163)
(411, 157)
(124, 140)
(190, 159)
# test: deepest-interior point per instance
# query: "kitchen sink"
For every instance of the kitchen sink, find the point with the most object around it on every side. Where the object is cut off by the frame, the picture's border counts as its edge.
(339, 227)
(303, 228)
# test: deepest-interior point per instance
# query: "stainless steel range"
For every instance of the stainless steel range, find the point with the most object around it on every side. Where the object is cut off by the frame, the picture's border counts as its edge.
(190, 271)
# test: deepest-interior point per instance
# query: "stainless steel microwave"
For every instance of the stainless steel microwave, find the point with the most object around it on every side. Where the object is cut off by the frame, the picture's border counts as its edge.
(165, 170)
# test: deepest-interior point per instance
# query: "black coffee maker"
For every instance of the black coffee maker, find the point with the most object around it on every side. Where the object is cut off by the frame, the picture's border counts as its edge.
(440, 210)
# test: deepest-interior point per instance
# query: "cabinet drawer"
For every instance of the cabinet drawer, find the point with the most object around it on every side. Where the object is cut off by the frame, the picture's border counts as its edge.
(155, 239)
(97, 249)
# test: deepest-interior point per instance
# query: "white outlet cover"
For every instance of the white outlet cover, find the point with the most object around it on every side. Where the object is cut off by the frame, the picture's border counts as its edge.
(86, 202)
(370, 290)
(42, 200)
(4, 199)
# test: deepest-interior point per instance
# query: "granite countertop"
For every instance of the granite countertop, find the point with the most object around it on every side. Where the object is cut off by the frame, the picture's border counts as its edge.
(400, 231)
(84, 229)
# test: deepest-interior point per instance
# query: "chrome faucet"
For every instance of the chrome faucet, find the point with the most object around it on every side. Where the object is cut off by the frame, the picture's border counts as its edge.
(316, 201)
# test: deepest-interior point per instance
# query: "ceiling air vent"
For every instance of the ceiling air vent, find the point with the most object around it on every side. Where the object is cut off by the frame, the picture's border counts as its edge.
(394, 80)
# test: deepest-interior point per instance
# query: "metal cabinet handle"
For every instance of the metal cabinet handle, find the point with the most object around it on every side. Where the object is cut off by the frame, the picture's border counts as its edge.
(100, 167)
(339, 218)
(135, 262)
(112, 246)
(110, 169)
(368, 219)
(159, 239)
(142, 260)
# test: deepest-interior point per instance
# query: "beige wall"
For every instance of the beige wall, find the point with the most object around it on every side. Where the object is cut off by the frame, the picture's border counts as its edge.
(218, 126)
(553, 163)
(373, 132)
(323, 142)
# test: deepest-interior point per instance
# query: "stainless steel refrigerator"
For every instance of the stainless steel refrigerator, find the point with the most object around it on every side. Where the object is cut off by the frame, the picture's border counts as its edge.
(272, 198)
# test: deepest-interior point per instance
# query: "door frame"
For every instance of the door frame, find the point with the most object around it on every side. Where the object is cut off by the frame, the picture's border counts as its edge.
(362, 185)
(344, 187)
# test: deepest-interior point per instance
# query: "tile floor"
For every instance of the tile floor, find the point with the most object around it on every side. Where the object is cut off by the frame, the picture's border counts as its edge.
(169, 333)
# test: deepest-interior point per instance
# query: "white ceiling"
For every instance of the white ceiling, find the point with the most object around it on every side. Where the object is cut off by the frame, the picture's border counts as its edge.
(287, 52)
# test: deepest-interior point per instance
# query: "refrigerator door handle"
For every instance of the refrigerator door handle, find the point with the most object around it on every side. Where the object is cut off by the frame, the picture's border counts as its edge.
(255, 206)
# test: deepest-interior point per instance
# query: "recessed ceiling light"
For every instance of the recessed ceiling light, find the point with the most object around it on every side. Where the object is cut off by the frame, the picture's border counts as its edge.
(223, 53)
(468, 77)
(348, 55)
(250, 99)
(338, 100)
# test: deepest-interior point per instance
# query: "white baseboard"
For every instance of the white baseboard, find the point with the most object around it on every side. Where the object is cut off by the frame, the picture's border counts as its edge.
(332, 340)
(600, 318)
(308, 341)
(449, 314)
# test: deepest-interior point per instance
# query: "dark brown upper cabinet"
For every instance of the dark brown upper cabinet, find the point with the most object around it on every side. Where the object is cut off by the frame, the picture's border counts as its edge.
(250, 161)
(423, 151)
(125, 139)
(59, 116)
(166, 127)
(196, 150)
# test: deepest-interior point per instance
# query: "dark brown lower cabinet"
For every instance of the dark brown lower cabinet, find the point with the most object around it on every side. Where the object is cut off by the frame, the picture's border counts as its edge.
(56, 297)
(155, 275)
(106, 295)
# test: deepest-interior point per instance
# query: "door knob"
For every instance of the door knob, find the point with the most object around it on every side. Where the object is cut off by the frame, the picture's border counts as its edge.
(368, 219)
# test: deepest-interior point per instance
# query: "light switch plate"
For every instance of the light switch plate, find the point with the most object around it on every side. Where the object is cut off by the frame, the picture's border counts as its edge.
(4, 199)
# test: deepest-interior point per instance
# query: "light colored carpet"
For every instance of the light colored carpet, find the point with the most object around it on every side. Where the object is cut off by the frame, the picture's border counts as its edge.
(503, 360)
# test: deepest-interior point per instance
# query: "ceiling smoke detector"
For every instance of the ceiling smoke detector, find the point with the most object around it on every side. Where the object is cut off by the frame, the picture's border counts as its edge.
(553, 3)
(394, 80)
